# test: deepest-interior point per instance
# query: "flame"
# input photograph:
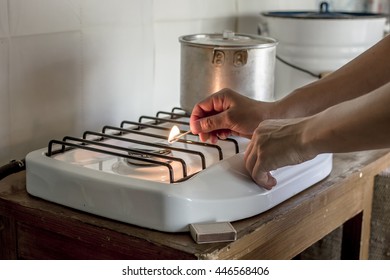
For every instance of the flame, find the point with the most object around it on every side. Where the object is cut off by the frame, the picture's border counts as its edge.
(175, 131)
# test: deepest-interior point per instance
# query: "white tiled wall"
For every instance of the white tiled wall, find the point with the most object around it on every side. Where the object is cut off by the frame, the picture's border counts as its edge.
(4, 29)
(4, 101)
(72, 65)
(28, 17)
(44, 87)
(249, 11)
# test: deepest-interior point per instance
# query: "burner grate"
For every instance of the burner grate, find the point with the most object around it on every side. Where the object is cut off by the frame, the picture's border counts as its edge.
(96, 142)
(190, 142)
(140, 125)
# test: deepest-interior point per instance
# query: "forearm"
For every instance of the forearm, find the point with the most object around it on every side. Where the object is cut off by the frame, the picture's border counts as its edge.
(359, 124)
(360, 76)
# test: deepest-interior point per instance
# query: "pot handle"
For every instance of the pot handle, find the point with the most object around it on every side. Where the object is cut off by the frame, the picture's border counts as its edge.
(240, 58)
(324, 7)
(218, 57)
(262, 26)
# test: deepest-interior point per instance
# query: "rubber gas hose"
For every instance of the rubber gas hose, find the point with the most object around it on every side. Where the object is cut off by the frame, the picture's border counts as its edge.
(13, 166)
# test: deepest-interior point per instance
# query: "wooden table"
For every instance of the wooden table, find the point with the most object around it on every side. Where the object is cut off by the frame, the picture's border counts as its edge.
(31, 228)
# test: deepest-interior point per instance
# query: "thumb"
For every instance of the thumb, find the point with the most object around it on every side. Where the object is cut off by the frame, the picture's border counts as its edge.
(264, 179)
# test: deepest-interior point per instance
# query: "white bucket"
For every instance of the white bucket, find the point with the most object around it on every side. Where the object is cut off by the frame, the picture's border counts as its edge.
(318, 43)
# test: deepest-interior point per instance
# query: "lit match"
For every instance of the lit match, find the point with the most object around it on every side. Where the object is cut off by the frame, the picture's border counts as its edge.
(175, 135)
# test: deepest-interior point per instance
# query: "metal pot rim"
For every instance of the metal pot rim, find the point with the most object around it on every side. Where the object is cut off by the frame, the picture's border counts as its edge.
(217, 40)
(322, 16)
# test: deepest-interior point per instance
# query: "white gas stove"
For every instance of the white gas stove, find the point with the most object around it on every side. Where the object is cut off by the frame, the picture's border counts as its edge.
(132, 174)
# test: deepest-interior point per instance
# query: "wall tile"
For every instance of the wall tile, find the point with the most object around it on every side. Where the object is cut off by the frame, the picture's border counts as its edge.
(249, 11)
(167, 60)
(4, 28)
(4, 104)
(43, 16)
(117, 74)
(255, 6)
(173, 10)
(45, 89)
(218, 25)
(117, 12)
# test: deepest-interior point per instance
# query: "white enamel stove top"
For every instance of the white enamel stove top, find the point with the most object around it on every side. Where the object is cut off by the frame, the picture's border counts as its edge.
(155, 194)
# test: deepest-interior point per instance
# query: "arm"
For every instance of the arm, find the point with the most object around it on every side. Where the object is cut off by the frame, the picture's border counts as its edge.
(359, 124)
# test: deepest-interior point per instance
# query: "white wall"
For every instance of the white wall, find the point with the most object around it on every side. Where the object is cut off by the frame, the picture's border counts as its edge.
(72, 65)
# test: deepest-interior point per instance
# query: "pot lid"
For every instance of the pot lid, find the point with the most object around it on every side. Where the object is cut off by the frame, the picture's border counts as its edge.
(323, 13)
(228, 39)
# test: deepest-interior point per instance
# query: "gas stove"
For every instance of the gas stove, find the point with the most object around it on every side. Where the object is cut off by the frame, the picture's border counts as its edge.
(130, 173)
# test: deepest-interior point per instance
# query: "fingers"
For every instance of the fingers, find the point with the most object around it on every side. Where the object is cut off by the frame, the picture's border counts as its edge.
(255, 168)
(213, 118)
(264, 179)
(208, 119)
(209, 114)
(223, 133)
(223, 114)
(214, 136)
(208, 123)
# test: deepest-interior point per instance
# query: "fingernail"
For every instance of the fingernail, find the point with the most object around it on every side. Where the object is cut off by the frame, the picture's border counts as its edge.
(213, 139)
(271, 181)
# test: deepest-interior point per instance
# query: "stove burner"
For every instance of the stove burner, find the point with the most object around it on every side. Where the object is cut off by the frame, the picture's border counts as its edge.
(149, 163)
(146, 153)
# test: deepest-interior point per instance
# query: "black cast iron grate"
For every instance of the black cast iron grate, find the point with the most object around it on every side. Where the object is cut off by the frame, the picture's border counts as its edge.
(96, 143)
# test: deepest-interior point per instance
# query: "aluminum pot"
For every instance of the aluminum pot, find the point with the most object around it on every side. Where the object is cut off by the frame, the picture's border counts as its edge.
(211, 62)
(318, 42)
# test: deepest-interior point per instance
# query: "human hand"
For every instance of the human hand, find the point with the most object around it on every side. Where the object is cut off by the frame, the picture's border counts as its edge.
(226, 113)
(274, 144)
